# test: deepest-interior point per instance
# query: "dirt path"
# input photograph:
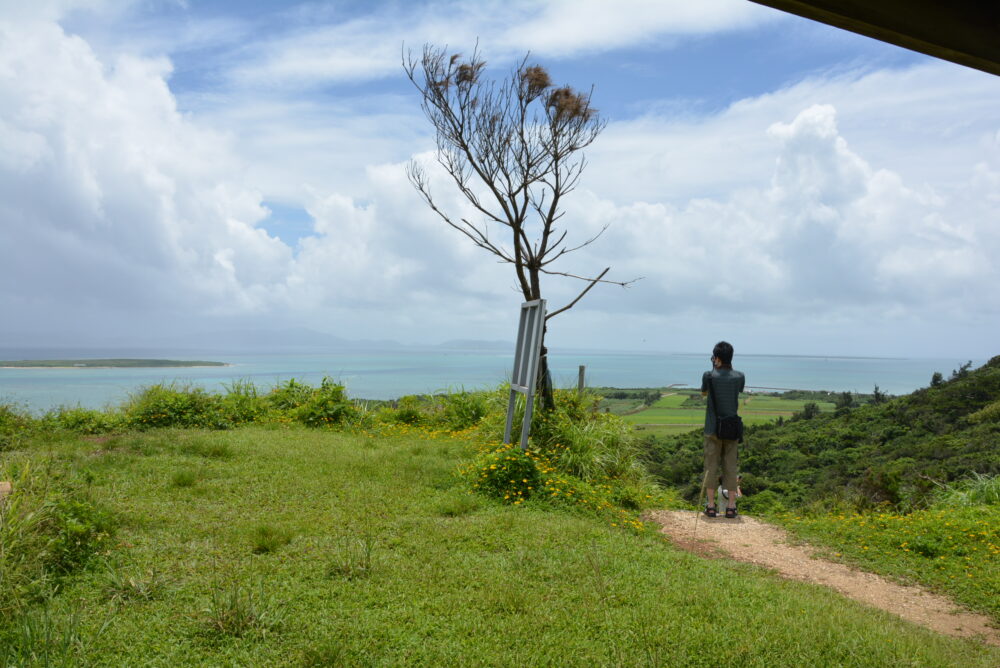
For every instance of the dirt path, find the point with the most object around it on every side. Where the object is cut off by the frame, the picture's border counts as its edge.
(753, 541)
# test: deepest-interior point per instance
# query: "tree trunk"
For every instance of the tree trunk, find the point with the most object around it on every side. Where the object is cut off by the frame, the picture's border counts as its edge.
(544, 382)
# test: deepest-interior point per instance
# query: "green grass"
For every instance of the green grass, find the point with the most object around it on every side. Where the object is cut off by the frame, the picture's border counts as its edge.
(393, 562)
(754, 408)
(664, 429)
(621, 406)
(671, 400)
(952, 550)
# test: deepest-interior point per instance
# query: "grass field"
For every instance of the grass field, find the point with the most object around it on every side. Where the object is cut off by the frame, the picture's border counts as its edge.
(951, 549)
(670, 416)
(297, 547)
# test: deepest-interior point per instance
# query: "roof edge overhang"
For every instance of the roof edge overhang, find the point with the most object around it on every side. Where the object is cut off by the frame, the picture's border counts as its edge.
(966, 32)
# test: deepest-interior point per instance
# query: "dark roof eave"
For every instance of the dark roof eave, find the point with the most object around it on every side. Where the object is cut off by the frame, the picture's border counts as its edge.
(962, 31)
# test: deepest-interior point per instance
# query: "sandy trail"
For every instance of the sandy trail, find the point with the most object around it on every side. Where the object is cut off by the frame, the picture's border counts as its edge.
(756, 542)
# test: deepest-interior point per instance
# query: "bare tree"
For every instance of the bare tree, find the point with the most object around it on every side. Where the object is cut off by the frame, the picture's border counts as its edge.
(513, 149)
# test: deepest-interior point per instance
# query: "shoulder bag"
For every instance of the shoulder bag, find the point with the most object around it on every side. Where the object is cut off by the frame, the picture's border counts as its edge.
(726, 428)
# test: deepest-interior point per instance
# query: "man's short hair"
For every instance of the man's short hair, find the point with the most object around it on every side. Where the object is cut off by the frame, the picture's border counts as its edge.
(724, 351)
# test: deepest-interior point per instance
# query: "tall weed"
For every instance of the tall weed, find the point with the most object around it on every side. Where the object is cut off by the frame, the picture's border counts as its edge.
(354, 557)
(289, 395)
(48, 528)
(172, 405)
(39, 638)
(976, 490)
(242, 403)
(15, 426)
(326, 406)
(578, 439)
(463, 410)
(84, 420)
(130, 583)
(239, 611)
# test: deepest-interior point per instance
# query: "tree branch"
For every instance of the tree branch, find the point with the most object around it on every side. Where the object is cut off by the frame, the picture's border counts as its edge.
(593, 282)
(623, 284)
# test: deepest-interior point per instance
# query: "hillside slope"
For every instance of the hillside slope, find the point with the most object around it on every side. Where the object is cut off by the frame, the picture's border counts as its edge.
(295, 547)
(895, 452)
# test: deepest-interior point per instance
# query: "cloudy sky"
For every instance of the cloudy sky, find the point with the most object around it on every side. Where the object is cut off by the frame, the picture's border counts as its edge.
(173, 167)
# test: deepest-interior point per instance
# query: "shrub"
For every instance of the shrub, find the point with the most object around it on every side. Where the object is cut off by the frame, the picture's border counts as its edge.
(173, 406)
(808, 412)
(15, 425)
(577, 438)
(84, 420)
(290, 395)
(326, 406)
(463, 410)
(408, 410)
(767, 502)
(988, 413)
(241, 404)
(507, 473)
(49, 527)
(80, 530)
(577, 455)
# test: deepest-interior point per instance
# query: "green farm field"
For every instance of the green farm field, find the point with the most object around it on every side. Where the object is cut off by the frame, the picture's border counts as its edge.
(684, 410)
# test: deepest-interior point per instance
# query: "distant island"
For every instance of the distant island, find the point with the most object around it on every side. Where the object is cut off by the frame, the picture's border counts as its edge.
(104, 364)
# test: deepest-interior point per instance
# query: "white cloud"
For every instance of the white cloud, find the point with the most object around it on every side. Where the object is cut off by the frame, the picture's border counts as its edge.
(864, 198)
(567, 27)
(111, 196)
(826, 233)
(369, 46)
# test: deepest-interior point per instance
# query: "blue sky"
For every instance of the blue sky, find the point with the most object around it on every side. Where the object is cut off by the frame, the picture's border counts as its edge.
(175, 167)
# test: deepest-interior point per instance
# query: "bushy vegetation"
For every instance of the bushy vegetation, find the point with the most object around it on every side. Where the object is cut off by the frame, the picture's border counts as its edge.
(49, 528)
(173, 405)
(598, 451)
(896, 452)
(579, 458)
(580, 453)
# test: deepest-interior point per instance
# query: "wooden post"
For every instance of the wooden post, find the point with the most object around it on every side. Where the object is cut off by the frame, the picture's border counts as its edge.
(580, 384)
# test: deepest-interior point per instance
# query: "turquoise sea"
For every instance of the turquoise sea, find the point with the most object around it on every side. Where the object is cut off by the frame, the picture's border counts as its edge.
(387, 374)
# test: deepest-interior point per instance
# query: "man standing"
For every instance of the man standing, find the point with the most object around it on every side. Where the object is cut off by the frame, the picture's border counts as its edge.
(722, 385)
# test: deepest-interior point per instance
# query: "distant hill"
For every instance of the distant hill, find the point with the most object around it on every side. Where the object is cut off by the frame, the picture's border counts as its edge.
(895, 452)
(106, 363)
(477, 345)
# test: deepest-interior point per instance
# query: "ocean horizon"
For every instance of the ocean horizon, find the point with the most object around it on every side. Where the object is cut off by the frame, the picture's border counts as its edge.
(389, 374)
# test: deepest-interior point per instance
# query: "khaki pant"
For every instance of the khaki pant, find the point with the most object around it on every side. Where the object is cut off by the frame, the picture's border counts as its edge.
(717, 450)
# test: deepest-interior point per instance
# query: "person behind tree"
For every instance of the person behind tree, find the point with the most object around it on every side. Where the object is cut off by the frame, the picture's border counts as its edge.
(722, 492)
(722, 385)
